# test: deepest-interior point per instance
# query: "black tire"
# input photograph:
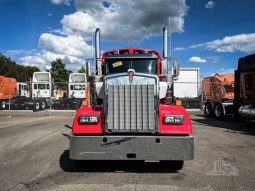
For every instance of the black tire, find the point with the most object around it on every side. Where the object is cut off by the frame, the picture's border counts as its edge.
(208, 109)
(36, 106)
(218, 111)
(43, 105)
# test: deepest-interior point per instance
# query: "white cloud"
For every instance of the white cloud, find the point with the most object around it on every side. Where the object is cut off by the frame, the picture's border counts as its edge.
(118, 20)
(210, 5)
(70, 45)
(58, 2)
(19, 52)
(43, 59)
(115, 18)
(71, 49)
(213, 59)
(224, 71)
(197, 59)
(242, 43)
(179, 49)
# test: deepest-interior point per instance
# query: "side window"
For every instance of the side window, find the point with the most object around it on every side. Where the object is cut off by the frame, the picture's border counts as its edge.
(71, 87)
(35, 86)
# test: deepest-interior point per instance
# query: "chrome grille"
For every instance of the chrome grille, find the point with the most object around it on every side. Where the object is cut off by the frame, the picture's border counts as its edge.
(131, 108)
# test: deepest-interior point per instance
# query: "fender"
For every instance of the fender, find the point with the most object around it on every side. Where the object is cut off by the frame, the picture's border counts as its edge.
(90, 128)
(184, 129)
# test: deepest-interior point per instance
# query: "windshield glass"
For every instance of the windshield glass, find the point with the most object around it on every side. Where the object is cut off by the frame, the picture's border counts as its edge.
(147, 66)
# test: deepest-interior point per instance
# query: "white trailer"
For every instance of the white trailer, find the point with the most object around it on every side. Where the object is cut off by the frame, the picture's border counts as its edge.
(187, 87)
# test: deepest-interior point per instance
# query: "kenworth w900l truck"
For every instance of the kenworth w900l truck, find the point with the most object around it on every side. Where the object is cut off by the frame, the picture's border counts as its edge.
(132, 115)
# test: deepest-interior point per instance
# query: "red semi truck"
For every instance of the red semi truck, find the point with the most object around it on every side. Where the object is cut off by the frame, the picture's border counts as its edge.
(131, 115)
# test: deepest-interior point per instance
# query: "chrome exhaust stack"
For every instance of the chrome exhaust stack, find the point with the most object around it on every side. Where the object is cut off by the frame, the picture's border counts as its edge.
(164, 53)
(97, 52)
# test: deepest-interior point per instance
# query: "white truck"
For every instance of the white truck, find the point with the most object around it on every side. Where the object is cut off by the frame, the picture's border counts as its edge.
(76, 92)
(35, 98)
(187, 87)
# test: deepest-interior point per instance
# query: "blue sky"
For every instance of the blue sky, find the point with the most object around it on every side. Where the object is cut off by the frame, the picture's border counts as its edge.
(211, 35)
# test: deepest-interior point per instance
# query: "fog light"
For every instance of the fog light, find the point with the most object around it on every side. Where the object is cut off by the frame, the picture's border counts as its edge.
(174, 119)
(88, 120)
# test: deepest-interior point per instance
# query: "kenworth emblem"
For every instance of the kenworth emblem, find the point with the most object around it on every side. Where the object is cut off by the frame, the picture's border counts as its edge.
(131, 73)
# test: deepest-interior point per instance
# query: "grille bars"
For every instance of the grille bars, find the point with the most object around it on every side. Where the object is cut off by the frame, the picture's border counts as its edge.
(130, 108)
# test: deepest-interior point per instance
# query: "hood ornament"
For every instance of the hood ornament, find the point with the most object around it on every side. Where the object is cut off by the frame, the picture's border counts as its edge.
(131, 73)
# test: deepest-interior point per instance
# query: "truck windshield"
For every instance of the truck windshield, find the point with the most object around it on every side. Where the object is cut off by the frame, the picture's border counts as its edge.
(147, 66)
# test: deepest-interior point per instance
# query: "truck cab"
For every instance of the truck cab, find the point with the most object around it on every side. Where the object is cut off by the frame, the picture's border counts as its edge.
(41, 85)
(23, 89)
(77, 85)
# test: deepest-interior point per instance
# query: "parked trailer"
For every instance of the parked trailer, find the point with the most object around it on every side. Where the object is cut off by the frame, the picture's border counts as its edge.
(76, 92)
(187, 87)
(38, 97)
(231, 94)
(130, 117)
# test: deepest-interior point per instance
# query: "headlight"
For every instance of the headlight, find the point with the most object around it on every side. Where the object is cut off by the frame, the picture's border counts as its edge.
(88, 120)
(174, 119)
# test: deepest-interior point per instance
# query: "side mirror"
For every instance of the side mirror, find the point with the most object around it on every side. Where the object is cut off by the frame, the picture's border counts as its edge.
(176, 69)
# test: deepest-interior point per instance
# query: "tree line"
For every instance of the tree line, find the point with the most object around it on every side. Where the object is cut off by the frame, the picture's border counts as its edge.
(21, 73)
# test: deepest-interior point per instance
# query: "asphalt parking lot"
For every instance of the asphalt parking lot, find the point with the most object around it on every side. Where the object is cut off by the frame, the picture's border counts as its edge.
(34, 156)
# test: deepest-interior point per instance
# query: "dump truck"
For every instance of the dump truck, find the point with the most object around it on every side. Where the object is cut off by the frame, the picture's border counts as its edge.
(233, 95)
(19, 96)
(8, 90)
(76, 92)
(218, 95)
(131, 113)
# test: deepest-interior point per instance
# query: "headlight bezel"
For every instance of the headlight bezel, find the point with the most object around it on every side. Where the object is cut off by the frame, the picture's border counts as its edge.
(173, 119)
(88, 120)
